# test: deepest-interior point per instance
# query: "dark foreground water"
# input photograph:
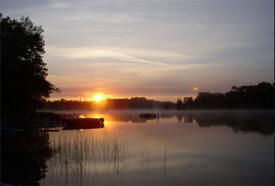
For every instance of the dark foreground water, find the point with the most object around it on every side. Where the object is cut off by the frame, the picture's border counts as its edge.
(223, 147)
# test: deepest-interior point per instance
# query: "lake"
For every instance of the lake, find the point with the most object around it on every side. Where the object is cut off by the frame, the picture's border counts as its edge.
(147, 148)
(195, 147)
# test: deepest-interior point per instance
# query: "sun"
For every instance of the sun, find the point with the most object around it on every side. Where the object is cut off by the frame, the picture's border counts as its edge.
(98, 98)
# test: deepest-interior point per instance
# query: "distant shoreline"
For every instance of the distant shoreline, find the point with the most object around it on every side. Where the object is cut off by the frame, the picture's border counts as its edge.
(159, 110)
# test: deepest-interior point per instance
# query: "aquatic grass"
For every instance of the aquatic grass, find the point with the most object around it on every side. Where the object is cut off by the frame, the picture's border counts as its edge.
(78, 152)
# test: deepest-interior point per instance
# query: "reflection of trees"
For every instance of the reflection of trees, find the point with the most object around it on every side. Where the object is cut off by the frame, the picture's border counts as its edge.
(245, 121)
(129, 118)
(260, 122)
(188, 118)
(23, 158)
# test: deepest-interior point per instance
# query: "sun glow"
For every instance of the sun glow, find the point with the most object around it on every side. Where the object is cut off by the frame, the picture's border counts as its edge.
(98, 98)
(81, 116)
(195, 88)
(107, 118)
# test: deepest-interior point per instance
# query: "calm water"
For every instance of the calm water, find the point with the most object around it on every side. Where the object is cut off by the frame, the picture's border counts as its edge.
(173, 148)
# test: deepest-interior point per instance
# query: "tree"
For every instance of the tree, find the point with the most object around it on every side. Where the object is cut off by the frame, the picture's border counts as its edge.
(24, 84)
(187, 102)
(179, 104)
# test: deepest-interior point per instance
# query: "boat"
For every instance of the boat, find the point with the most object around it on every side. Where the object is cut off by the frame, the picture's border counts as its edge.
(83, 123)
(148, 116)
(51, 129)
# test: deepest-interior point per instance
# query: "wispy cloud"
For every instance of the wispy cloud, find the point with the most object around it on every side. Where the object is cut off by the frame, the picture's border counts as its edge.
(90, 53)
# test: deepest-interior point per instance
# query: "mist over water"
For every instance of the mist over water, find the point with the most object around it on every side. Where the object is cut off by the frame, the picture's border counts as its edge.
(190, 147)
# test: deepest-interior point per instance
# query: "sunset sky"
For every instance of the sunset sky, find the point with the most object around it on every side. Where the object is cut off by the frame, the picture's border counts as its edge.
(161, 49)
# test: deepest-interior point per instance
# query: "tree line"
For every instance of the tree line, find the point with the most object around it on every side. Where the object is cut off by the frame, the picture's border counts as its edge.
(109, 104)
(260, 96)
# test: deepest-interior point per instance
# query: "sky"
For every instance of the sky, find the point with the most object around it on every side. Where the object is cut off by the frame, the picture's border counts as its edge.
(160, 49)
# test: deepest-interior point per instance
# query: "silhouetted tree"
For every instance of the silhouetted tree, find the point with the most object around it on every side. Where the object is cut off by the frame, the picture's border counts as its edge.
(24, 84)
(252, 96)
(187, 102)
(179, 104)
(259, 96)
(209, 100)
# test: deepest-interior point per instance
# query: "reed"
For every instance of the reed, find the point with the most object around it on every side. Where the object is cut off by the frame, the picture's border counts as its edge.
(78, 153)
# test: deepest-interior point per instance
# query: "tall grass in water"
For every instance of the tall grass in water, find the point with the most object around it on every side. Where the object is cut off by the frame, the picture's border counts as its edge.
(83, 155)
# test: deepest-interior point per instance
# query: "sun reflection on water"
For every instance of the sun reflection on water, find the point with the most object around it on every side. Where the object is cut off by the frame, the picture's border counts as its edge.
(107, 119)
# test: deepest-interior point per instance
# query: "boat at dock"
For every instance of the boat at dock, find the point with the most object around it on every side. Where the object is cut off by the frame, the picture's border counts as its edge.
(83, 123)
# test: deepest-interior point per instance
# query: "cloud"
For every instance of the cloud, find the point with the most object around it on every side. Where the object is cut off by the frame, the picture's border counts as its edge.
(93, 53)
